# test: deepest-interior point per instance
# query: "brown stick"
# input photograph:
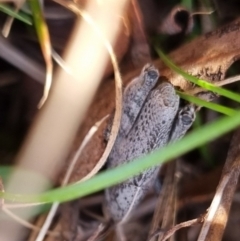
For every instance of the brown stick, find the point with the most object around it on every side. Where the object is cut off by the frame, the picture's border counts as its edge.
(218, 213)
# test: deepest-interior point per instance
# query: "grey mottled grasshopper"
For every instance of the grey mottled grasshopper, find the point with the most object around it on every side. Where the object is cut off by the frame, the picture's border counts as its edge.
(151, 119)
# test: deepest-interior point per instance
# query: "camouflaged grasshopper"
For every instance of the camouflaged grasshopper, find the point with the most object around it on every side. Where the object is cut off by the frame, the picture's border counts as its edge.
(151, 119)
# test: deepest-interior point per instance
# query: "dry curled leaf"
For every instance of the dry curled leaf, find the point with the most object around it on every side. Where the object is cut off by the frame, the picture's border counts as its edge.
(178, 20)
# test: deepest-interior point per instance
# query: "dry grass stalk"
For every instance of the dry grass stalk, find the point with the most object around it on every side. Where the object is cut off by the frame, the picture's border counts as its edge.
(63, 112)
(218, 213)
(164, 215)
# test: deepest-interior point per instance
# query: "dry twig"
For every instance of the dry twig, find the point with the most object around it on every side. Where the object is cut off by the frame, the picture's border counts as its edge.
(216, 219)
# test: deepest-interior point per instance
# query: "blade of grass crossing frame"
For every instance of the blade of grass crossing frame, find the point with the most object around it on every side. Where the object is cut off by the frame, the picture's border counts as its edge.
(121, 173)
(213, 106)
(45, 43)
(202, 83)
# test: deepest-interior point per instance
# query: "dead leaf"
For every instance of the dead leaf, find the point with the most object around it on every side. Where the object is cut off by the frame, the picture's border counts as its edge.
(207, 57)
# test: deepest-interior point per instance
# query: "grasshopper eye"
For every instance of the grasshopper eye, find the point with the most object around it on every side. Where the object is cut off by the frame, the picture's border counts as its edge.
(187, 115)
(153, 74)
(187, 120)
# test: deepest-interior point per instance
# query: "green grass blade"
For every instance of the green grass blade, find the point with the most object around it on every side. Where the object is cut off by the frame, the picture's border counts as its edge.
(111, 177)
(213, 106)
(45, 43)
(202, 83)
(20, 16)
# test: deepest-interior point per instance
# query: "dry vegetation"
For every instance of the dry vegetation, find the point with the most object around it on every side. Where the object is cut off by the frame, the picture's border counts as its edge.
(199, 197)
